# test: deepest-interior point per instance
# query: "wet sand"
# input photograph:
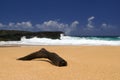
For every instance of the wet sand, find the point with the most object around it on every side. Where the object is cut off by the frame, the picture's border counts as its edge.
(84, 63)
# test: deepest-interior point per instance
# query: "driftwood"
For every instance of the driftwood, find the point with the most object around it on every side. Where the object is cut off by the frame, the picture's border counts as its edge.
(38, 54)
(43, 53)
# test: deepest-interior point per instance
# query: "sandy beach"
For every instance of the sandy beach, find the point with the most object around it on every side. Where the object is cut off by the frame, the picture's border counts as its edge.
(84, 63)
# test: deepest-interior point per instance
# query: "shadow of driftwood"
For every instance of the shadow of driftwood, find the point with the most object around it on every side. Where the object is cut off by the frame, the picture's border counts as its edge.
(45, 61)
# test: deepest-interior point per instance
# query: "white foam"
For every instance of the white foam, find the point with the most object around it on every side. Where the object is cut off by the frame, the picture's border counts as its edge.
(64, 40)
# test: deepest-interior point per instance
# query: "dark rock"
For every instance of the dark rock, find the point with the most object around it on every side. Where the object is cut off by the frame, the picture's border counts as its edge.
(43, 53)
(15, 35)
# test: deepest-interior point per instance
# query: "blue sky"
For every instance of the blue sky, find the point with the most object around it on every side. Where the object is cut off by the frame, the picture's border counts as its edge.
(74, 17)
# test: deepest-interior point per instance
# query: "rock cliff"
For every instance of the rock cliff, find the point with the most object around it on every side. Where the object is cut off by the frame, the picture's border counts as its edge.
(15, 35)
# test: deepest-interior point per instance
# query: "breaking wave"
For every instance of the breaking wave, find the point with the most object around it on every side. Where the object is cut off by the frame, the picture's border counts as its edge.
(66, 40)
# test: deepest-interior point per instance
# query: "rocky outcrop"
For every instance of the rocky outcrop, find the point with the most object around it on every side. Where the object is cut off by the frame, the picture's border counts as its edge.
(15, 35)
(43, 53)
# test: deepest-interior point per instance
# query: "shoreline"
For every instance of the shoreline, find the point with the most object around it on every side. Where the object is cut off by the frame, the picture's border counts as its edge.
(20, 45)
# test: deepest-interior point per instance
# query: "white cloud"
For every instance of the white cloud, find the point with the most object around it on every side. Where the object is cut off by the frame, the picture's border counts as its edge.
(1, 25)
(91, 18)
(72, 27)
(11, 24)
(50, 26)
(57, 26)
(90, 23)
(50, 23)
(74, 24)
(108, 27)
(104, 25)
(17, 26)
(23, 24)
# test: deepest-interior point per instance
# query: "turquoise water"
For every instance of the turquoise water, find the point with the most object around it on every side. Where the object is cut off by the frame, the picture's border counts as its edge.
(103, 38)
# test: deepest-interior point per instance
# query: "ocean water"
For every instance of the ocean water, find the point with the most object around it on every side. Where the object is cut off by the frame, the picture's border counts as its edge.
(66, 40)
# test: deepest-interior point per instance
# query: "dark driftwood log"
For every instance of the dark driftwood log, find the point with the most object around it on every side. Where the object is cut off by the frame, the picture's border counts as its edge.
(56, 59)
(43, 53)
(38, 54)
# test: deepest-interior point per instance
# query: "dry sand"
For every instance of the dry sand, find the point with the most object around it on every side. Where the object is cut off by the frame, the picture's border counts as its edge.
(84, 63)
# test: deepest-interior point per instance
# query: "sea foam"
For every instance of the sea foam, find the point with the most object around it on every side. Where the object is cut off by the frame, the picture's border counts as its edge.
(66, 40)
